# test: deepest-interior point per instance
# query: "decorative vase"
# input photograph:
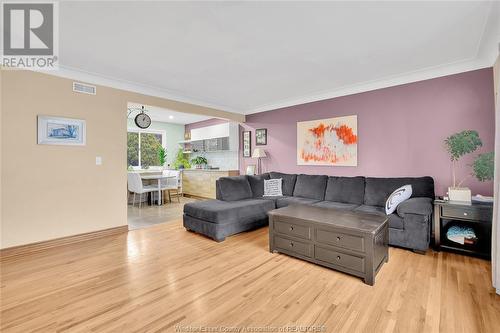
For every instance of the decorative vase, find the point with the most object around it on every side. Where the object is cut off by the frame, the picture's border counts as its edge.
(461, 194)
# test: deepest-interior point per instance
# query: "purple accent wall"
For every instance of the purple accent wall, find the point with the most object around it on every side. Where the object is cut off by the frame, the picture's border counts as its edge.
(204, 123)
(400, 129)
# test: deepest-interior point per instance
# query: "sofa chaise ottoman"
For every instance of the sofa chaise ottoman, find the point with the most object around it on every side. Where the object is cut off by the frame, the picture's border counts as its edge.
(240, 205)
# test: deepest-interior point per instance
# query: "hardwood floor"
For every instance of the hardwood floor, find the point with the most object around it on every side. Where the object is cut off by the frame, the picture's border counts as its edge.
(149, 215)
(153, 279)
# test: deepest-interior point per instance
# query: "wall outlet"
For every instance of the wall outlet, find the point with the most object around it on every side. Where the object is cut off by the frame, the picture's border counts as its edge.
(98, 160)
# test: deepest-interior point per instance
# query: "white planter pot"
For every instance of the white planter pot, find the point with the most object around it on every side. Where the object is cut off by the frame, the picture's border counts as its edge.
(461, 194)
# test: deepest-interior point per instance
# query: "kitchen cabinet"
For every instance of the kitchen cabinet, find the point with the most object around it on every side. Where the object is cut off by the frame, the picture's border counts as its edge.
(218, 144)
(221, 137)
(210, 132)
(201, 183)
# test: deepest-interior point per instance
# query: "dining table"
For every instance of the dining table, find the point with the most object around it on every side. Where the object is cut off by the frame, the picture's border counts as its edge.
(158, 178)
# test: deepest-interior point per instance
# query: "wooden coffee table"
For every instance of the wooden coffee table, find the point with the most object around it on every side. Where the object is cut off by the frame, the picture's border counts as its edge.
(350, 242)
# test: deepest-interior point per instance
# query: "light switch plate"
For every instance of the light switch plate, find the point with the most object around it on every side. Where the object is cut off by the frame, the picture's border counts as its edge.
(98, 160)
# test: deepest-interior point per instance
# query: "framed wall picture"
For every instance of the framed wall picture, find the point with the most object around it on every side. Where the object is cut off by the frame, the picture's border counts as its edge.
(61, 131)
(261, 137)
(250, 170)
(247, 144)
(332, 141)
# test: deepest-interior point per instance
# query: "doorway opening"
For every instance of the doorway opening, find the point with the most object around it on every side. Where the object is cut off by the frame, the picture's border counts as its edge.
(162, 173)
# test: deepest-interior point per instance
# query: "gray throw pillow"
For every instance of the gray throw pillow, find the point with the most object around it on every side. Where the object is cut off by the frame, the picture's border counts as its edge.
(310, 186)
(257, 184)
(288, 183)
(234, 188)
(345, 189)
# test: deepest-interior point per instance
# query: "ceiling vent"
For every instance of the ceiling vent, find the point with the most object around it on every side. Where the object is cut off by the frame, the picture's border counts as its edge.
(84, 88)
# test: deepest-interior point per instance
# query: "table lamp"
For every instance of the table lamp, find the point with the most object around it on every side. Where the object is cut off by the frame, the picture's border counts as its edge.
(259, 153)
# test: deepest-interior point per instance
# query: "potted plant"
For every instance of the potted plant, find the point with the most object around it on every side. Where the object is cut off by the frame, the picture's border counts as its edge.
(162, 156)
(458, 145)
(181, 162)
(199, 161)
(484, 166)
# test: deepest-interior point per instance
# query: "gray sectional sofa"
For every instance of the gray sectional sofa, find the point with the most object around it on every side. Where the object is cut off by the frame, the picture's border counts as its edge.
(240, 204)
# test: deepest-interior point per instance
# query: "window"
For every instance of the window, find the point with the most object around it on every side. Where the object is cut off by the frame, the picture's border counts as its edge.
(142, 147)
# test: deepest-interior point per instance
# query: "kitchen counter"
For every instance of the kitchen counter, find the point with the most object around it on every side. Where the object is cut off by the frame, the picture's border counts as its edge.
(200, 183)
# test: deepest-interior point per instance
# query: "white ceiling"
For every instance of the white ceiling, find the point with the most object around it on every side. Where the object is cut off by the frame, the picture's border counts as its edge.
(164, 115)
(247, 57)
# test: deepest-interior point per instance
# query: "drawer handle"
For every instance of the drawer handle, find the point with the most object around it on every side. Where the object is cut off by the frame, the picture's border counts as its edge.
(291, 228)
(291, 244)
(338, 257)
(465, 214)
(338, 238)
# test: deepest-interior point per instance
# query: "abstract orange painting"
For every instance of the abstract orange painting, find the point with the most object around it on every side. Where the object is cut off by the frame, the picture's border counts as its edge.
(332, 141)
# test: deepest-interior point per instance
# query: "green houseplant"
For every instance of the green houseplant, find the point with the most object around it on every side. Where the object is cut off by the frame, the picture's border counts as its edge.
(162, 156)
(458, 145)
(483, 166)
(181, 162)
(199, 161)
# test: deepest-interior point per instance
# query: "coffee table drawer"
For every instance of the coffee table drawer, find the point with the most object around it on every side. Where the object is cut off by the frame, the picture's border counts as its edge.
(289, 245)
(350, 242)
(467, 213)
(338, 258)
(292, 229)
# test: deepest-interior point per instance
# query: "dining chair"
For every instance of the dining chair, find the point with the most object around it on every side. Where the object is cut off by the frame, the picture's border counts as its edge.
(171, 184)
(135, 185)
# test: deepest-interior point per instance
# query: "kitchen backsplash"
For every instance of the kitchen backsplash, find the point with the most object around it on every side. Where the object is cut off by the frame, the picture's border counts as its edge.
(225, 160)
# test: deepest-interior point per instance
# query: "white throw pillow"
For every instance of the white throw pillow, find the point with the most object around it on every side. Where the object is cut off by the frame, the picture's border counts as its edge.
(272, 187)
(398, 196)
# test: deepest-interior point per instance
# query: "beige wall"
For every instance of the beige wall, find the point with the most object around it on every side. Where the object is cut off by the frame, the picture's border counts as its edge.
(56, 191)
(1, 149)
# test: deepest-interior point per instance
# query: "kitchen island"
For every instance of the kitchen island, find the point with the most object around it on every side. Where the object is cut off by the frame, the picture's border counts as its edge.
(200, 183)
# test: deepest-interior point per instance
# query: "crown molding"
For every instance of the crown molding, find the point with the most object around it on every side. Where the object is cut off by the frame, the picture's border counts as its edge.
(489, 44)
(391, 81)
(102, 80)
(486, 53)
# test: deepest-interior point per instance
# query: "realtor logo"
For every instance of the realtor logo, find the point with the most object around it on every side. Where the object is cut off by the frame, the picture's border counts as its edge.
(29, 36)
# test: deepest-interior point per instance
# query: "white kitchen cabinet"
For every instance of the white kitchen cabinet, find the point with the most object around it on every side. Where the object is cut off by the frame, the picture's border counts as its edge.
(210, 132)
(226, 130)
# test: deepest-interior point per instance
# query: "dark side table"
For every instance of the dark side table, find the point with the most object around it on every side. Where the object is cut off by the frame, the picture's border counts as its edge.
(478, 216)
